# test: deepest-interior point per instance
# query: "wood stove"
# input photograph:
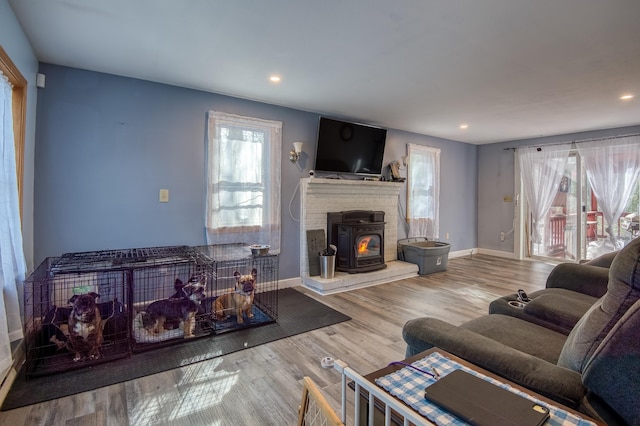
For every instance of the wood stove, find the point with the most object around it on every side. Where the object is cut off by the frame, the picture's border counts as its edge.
(359, 237)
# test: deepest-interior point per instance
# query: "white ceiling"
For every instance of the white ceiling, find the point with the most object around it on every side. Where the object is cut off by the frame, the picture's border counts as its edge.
(511, 69)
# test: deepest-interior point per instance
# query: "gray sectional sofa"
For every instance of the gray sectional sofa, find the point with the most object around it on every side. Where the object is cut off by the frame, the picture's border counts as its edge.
(593, 367)
(571, 289)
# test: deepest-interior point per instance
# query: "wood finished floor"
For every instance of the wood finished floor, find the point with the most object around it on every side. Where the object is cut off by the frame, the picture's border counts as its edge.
(262, 385)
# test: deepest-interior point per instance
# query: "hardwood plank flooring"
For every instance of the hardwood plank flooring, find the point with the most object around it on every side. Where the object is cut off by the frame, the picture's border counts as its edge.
(262, 385)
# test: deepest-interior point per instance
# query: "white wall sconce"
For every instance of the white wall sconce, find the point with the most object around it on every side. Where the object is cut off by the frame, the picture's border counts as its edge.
(294, 154)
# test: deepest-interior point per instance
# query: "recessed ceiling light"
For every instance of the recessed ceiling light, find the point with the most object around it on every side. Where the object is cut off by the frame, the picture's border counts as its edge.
(275, 79)
(626, 97)
(464, 126)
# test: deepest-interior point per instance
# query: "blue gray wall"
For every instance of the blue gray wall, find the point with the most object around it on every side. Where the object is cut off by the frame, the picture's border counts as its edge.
(107, 145)
(458, 185)
(496, 180)
(17, 46)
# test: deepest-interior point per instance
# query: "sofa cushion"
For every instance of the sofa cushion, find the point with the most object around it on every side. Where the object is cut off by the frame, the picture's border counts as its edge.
(560, 306)
(623, 291)
(557, 309)
(524, 336)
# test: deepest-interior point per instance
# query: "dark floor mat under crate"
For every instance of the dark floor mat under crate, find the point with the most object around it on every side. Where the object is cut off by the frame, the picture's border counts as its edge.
(298, 314)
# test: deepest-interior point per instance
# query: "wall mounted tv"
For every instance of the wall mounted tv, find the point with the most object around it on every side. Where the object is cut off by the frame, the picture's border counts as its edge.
(345, 147)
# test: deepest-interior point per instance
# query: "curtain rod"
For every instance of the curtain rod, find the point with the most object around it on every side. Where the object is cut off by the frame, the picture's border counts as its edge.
(580, 141)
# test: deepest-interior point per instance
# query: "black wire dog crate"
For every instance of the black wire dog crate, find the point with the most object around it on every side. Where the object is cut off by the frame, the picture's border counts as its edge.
(49, 296)
(108, 277)
(168, 299)
(147, 298)
(233, 267)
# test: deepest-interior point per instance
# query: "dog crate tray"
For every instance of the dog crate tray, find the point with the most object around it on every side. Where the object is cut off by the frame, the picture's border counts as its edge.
(261, 315)
(53, 363)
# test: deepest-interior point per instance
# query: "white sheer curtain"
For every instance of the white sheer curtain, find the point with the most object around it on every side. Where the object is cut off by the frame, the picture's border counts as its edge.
(612, 168)
(11, 254)
(541, 169)
(423, 191)
(243, 180)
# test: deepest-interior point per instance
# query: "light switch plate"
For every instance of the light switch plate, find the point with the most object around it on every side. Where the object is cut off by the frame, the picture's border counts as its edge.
(164, 195)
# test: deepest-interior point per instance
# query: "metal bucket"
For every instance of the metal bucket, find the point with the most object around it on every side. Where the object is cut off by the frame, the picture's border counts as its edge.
(327, 266)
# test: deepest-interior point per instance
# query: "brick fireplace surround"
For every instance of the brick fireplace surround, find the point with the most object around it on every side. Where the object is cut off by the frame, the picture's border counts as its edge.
(319, 196)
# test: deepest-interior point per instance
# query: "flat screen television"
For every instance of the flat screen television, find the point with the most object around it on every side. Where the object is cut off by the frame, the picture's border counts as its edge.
(345, 147)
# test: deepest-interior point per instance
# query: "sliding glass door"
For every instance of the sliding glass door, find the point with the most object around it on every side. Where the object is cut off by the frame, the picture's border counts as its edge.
(562, 227)
(575, 227)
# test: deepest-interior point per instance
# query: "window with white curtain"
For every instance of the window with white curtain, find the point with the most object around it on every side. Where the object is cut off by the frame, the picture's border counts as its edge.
(13, 266)
(423, 191)
(613, 169)
(243, 180)
(542, 171)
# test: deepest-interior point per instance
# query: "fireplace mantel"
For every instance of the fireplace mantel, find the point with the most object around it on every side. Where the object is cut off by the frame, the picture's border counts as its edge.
(320, 196)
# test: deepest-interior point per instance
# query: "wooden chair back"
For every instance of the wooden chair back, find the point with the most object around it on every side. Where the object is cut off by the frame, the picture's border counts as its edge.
(314, 408)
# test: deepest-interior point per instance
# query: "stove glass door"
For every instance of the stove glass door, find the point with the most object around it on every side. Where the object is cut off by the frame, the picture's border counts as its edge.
(367, 246)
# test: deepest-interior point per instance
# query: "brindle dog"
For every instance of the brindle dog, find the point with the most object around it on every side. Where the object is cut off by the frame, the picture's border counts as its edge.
(85, 326)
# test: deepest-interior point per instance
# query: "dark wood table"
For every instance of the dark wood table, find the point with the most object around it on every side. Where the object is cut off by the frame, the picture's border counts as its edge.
(396, 419)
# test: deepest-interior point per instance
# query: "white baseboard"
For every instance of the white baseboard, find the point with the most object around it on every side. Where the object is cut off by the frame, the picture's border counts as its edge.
(462, 253)
(290, 282)
(488, 252)
(496, 253)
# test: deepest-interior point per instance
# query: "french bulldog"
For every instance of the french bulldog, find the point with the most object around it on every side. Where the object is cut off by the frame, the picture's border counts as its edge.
(85, 326)
(240, 301)
(182, 306)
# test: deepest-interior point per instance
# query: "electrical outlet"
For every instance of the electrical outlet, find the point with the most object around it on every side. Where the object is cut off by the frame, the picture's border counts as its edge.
(164, 195)
(502, 236)
(446, 235)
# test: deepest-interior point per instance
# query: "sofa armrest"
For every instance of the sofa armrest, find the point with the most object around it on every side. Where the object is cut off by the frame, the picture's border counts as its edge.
(586, 279)
(604, 260)
(558, 383)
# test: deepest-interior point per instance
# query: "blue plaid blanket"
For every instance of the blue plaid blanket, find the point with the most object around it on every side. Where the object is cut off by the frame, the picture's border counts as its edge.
(408, 385)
